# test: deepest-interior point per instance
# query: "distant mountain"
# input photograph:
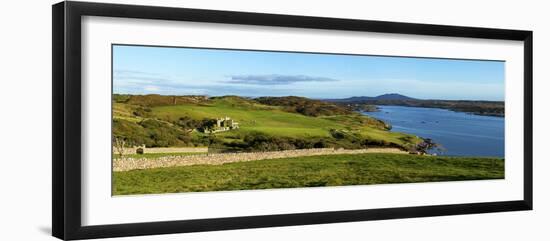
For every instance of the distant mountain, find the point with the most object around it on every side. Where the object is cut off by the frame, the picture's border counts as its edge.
(392, 96)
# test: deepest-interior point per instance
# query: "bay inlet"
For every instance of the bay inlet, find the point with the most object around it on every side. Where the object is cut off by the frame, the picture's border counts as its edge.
(460, 134)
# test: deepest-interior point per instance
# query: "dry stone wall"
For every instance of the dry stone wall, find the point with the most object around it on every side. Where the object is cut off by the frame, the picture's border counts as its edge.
(132, 150)
(127, 163)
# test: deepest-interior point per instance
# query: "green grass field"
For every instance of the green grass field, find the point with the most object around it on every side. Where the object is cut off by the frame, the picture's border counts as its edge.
(314, 171)
(269, 120)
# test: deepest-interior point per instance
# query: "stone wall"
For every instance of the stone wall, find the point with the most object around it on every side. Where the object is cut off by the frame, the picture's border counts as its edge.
(132, 150)
(126, 163)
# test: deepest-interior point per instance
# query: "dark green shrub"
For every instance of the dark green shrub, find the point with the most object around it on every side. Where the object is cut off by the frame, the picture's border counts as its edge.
(337, 134)
(151, 133)
(187, 122)
(142, 111)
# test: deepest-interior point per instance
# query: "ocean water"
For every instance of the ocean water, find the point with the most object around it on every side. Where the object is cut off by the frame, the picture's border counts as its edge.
(459, 133)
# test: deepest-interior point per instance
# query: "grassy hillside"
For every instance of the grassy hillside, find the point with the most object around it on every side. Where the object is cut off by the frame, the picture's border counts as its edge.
(172, 121)
(333, 170)
(305, 106)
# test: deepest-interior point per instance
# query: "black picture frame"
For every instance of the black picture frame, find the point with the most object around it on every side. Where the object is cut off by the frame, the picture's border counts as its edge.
(66, 75)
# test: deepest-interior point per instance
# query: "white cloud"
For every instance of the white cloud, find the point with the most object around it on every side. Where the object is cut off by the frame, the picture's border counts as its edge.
(275, 79)
(151, 88)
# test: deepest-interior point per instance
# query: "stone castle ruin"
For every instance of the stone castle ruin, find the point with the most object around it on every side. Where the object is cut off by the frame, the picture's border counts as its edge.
(223, 124)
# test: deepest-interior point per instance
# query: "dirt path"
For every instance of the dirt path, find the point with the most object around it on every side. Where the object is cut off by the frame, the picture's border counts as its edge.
(127, 163)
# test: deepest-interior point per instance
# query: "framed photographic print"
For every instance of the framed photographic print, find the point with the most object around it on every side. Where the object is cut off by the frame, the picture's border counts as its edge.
(169, 120)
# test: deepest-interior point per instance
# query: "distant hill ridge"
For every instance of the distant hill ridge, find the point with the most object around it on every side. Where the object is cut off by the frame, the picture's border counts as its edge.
(391, 96)
(320, 107)
(478, 107)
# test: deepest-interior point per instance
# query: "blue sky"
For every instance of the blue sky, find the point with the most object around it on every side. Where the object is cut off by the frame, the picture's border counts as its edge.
(213, 72)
